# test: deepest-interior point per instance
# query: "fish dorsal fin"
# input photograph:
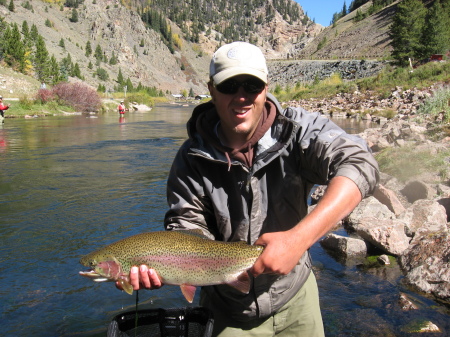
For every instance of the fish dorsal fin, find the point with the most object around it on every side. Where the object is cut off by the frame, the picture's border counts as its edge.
(196, 232)
(188, 292)
(242, 283)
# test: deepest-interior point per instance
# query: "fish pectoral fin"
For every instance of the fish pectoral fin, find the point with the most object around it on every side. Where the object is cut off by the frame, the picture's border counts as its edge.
(126, 286)
(242, 283)
(188, 292)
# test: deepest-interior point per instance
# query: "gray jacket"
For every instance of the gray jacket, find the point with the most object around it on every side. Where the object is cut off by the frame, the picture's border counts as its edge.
(239, 203)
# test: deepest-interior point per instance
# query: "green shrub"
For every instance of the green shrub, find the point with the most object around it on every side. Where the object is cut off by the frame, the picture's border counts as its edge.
(140, 97)
(439, 102)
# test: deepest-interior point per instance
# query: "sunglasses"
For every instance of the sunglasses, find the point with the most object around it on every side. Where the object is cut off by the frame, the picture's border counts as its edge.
(231, 86)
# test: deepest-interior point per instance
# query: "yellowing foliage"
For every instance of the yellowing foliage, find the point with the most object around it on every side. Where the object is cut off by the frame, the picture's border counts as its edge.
(177, 40)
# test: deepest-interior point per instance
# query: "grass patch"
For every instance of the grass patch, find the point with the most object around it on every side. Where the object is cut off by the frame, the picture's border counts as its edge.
(438, 103)
(407, 162)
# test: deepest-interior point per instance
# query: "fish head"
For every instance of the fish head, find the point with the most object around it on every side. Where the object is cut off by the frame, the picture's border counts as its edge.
(106, 268)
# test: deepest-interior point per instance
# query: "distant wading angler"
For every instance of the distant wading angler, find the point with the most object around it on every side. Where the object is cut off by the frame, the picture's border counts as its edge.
(121, 108)
(245, 174)
(3, 107)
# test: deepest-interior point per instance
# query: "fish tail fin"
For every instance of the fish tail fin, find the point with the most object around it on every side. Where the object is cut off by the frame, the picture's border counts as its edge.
(188, 292)
(242, 283)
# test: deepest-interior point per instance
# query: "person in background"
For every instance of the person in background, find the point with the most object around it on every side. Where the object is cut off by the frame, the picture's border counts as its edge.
(245, 174)
(121, 108)
(3, 107)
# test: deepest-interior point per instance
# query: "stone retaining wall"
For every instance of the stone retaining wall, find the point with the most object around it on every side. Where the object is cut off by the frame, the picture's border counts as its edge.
(292, 72)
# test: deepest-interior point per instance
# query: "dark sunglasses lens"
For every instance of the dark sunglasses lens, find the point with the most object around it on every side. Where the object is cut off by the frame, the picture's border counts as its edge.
(253, 86)
(231, 86)
(228, 87)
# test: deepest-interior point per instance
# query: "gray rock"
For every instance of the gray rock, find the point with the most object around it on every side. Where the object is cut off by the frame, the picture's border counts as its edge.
(389, 198)
(344, 246)
(426, 263)
(386, 234)
(368, 208)
(427, 215)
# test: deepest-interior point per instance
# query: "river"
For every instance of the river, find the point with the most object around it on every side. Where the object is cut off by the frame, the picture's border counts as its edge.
(71, 184)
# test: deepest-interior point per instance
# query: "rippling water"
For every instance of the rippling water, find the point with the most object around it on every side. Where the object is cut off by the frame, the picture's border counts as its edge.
(69, 185)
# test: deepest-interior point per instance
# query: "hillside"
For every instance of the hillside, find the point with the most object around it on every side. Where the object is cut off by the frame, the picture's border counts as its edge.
(347, 39)
(144, 57)
(141, 52)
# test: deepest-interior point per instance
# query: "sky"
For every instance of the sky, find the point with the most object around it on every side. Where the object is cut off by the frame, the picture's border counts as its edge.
(322, 10)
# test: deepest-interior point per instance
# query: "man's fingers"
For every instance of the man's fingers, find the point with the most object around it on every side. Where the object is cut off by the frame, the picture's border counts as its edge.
(142, 278)
(154, 279)
(134, 278)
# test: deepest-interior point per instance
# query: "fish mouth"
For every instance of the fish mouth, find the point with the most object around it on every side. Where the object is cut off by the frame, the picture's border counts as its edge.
(92, 274)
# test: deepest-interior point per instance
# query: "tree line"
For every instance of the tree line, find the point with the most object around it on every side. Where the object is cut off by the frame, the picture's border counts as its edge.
(417, 31)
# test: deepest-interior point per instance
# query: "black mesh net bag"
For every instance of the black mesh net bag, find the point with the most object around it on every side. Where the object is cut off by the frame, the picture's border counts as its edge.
(178, 322)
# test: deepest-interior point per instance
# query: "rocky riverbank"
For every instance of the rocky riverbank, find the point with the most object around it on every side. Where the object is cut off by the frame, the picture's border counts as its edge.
(405, 221)
(368, 105)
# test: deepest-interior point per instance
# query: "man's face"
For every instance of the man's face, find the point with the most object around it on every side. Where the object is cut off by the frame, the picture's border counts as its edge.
(239, 112)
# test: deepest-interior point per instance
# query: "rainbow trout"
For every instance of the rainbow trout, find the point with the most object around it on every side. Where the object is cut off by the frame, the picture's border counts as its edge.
(185, 258)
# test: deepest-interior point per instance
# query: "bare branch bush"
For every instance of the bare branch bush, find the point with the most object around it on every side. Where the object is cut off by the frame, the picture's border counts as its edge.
(80, 96)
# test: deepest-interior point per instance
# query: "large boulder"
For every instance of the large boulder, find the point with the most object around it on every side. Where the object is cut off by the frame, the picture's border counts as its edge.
(368, 208)
(386, 234)
(426, 263)
(427, 215)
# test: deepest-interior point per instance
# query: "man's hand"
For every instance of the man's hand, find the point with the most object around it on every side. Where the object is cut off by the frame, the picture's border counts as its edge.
(283, 250)
(281, 253)
(143, 278)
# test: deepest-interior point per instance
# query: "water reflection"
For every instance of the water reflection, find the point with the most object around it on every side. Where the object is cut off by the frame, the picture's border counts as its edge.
(71, 184)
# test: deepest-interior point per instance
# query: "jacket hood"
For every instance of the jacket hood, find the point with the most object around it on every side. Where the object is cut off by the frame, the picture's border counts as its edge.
(207, 120)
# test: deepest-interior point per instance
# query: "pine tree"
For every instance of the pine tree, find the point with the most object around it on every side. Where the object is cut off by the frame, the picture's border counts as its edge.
(74, 17)
(129, 85)
(113, 60)
(34, 32)
(446, 23)
(14, 49)
(98, 54)
(54, 71)
(406, 30)
(120, 79)
(435, 32)
(41, 60)
(76, 71)
(88, 49)
(11, 7)
(25, 29)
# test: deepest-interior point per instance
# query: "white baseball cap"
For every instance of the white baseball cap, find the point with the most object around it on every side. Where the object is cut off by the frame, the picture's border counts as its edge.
(238, 58)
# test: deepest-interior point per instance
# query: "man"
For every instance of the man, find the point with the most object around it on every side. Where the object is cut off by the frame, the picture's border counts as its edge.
(245, 174)
(3, 107)
(121, 108)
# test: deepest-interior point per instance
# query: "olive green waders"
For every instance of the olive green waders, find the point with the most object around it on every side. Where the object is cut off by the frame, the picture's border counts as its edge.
(300, 317)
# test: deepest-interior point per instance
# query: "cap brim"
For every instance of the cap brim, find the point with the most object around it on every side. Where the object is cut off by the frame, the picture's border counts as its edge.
(236, 71)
